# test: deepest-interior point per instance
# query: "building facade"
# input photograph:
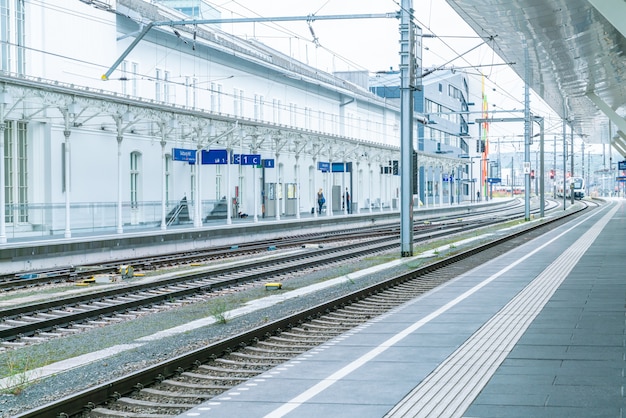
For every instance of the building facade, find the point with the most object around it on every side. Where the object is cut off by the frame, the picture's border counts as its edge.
(189, 124)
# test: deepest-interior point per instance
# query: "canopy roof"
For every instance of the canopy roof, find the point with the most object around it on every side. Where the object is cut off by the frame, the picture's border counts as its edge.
(575, 55)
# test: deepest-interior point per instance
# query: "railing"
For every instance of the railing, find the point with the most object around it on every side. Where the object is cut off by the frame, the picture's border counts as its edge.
(45, 220)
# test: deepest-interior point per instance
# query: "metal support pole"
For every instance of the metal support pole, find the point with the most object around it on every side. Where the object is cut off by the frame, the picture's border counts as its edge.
(407, 46)
(564, 162)
(527, 127)
(542, 172)
(571, 128)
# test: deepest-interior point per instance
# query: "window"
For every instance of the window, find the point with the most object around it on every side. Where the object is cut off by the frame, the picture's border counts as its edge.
(237, 102)
(133, 85)
(166, 87)
(16, 172)
(135, 171)
(292, 114)
(261, 108)
(219, 98)
(213, 97)
(257, 109)
(276, 111)
(187, 91)
(308, 120)
(12, 36)
(20, 37)
(5, 34)
(124, 69)
(194, 86)
(157, 85)
(259, 104)
(241, 103)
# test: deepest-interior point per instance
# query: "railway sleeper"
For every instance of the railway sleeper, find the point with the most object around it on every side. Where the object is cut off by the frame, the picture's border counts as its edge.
(355, 317)
(294, 346)
(171, 398)
(262, 365)
(232, 372)
(188, 386)
(130, 407)
(108, 413)
(271, 351)
(326, 328)
(241, 365)
(266, 359)
(341, 323)
(216, 382)
(200, 397)
(302, 336)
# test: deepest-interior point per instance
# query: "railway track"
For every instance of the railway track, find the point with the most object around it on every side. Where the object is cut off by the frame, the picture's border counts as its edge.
(30, 279)
(37, 322)
(34, 323)
(171, 387)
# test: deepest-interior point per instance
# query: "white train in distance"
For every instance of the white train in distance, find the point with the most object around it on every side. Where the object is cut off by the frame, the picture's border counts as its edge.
(574, 185)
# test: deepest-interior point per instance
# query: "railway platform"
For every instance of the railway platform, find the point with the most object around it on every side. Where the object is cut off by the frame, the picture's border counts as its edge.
(27, 253)
(536, 332)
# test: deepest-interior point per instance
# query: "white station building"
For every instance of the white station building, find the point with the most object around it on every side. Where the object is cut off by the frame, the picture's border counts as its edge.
(197, 126)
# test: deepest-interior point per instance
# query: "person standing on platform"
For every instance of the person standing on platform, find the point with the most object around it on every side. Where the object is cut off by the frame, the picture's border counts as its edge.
(347, 200)
(320, 200)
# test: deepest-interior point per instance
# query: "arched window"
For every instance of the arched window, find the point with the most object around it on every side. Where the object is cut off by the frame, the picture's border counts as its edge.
(135, 173)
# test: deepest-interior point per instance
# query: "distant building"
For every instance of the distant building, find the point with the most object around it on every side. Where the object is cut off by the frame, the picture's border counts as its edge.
(98, 138)
(444, 100)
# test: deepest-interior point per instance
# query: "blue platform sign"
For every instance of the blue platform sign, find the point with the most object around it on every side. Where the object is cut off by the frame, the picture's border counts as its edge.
(269, 163)
(180, 154)
(494, 180)
(324, 167)
(215, 156)
(621, 165)
(246, 159)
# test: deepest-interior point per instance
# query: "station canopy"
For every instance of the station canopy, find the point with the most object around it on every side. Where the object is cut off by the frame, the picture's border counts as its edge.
(575, 56)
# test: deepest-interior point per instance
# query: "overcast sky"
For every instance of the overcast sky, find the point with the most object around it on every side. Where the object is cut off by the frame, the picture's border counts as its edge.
(350, 44)
(373, 45)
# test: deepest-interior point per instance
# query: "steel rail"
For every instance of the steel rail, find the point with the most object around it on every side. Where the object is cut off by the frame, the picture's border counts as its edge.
(114, 389)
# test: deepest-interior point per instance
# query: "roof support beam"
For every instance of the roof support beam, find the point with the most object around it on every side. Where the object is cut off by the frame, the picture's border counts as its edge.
(611, 114)
(619, 143)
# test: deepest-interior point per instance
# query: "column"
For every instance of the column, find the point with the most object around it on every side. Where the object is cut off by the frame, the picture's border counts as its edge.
(370, 178)
(229, 203)
(163, 203)
(120, 228)
(315, 188)
(67, 132)
(197, 222)
(441, 186)
(276, 187)
(3, 226)
(297, 182)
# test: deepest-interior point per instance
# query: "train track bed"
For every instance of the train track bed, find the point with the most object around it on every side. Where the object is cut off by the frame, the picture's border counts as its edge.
(151, 351)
